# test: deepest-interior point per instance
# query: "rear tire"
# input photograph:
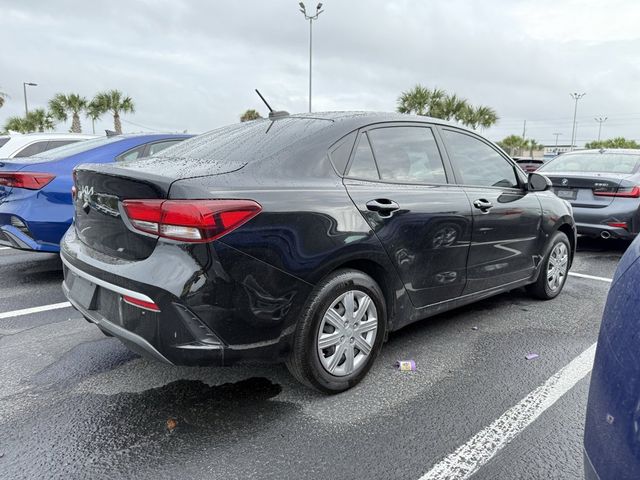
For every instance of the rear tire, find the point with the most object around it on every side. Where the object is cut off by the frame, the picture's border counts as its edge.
(340, 333)
(554, 269)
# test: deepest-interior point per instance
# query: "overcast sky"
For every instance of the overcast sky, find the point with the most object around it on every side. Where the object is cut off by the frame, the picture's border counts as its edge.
(193, 65)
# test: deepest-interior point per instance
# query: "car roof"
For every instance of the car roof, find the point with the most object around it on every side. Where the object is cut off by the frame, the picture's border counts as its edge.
(624, 151)
(20, 140)
(358, 119)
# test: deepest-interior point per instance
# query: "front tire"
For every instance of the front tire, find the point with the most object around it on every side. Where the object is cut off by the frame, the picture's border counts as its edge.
(340, 333)
(554, 269)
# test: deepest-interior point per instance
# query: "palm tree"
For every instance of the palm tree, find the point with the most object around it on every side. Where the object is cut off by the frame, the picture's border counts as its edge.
(513, 144)
(532, 145)
(417, 100)
(39, 120)
(94, 112)
(16, 124)
(2, 98)
(250, 115)
(73, 103)
(454, 107)
(115, 102)
(483, 117)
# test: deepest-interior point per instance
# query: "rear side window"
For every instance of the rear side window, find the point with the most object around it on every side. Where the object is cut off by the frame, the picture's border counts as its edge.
(132, 154)
(363, 165)
(58, 143)
(33, 149)
(408, 154)
(3, 141)
(340, 154)
(477, 163)
(159, 146)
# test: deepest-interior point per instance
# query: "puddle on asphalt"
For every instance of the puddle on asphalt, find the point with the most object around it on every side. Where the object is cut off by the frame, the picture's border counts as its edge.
(116, 436)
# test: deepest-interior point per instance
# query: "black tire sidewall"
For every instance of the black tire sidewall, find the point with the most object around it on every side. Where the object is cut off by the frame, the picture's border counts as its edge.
(333, 288)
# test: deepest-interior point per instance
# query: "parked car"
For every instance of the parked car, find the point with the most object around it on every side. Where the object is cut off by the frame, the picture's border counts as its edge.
(306, 240)
(603, 186)
(612, 427)
(29, 144)
(36, 207)
(529, 164)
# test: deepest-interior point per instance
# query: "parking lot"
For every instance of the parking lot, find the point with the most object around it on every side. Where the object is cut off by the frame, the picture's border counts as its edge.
(76, 404)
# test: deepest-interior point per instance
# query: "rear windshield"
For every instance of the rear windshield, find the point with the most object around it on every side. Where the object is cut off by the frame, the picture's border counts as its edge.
(593, 162)
(246, 142)
(70, 149)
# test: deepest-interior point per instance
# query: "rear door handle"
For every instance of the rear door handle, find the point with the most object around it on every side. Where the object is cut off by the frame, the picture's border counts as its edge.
(382, 205)
(482, 204)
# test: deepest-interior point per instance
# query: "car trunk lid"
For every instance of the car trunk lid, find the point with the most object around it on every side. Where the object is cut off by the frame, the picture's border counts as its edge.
(596, 190)
(100, 218)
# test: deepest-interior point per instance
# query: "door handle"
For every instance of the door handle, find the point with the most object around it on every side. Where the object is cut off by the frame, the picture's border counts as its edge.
(482, 204)
(382, 206)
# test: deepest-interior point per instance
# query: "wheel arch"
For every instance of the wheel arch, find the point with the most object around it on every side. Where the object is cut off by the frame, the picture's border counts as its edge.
(569, 231)
(382, 277)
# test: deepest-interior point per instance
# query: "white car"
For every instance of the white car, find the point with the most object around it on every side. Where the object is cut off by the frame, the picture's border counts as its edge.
(25, 145)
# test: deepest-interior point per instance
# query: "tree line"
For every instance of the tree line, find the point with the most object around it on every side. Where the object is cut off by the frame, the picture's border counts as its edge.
(62, 106)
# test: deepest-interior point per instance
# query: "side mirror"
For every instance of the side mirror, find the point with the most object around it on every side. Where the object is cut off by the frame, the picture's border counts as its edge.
(538, 182)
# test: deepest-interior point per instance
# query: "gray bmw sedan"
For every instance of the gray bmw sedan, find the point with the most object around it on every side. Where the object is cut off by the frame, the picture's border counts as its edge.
(603, 187)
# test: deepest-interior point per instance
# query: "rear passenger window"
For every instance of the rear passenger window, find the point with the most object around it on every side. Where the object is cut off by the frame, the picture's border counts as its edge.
(58, 143)
(158, 147)
(131, 154)
(407, 154)
(37, 147)
(477, 163)
(340, 154)
(363, 164)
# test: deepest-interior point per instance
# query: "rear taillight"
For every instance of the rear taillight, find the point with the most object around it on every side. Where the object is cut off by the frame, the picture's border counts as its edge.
(189, 220)
(629, 192)
(30, 181)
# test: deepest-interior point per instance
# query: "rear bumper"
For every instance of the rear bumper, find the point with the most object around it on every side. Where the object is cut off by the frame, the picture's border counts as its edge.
(15, 238)
(226, 310)
(594, 221)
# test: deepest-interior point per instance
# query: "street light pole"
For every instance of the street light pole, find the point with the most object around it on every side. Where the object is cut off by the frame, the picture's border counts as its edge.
(576, 97)
(556, 135)
(24, 88)
(600, 121)
(311, 18)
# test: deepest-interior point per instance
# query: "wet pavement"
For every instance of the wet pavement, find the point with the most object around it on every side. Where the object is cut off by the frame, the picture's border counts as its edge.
(76, 404)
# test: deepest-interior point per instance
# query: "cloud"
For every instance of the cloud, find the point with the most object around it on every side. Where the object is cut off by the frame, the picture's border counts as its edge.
(194, 65)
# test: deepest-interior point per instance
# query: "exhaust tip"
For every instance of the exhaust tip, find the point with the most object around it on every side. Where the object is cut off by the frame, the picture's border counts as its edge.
(604, 234)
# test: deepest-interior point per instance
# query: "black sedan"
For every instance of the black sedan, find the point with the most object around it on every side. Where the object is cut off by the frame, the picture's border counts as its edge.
(307, 239)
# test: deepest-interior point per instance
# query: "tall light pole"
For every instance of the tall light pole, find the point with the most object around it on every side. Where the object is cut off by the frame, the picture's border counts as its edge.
(576, 97)
(24, 87)
(557, 135)
(600, 121)
(311, 18)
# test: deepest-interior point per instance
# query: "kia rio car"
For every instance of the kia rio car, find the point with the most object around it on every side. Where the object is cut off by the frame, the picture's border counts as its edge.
(307, 239)
(603, 186)
(35, 192)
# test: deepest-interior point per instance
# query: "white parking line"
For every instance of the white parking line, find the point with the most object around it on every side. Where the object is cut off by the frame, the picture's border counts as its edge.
(28, 311)
(480, 448)
(590, 277)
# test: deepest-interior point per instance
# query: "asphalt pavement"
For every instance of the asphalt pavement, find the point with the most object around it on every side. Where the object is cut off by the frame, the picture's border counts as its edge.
(76, 404)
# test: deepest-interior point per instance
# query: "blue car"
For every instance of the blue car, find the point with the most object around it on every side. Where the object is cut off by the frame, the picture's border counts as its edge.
(36, 207)
(612, 428)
